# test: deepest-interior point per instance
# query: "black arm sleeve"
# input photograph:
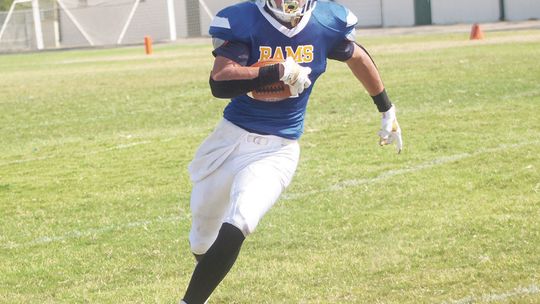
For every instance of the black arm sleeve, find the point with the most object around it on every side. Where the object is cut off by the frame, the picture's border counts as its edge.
(239, 53)
(232, 88)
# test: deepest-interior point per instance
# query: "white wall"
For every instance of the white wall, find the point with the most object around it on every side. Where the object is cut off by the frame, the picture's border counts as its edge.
(374, 13)
(398, 12)
(368, 11)
(465, 11)
(522, 9)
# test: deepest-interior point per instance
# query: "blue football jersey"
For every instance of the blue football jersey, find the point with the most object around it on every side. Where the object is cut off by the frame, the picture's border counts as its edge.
(322, 29)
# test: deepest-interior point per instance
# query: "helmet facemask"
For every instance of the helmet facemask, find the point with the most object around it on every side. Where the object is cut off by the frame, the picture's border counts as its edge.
(289, 11)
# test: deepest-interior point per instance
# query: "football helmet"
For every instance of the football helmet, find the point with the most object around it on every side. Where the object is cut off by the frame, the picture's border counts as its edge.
(290, 11)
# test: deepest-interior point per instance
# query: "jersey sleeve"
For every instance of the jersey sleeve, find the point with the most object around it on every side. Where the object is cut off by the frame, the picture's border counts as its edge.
(338, 19)
(340, 23)
(233, 23)
(350, 27)
(346, 22)
(235, 51)
(342, 51)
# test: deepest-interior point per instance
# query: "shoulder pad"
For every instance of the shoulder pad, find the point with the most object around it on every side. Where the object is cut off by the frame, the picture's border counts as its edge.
(335, 17)
(233, 22)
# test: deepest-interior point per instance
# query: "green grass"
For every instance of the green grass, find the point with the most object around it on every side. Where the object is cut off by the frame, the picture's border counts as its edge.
(94, 191)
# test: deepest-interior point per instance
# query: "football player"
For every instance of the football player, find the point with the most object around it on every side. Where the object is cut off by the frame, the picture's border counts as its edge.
(241, 169)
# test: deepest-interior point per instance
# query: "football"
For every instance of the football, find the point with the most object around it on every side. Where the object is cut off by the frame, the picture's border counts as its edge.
(273, 92)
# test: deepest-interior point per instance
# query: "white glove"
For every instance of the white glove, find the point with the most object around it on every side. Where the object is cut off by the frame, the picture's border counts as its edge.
(390, 130)
(295, 76)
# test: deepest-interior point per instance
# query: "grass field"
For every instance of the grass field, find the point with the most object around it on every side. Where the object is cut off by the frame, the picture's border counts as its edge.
(94, 191)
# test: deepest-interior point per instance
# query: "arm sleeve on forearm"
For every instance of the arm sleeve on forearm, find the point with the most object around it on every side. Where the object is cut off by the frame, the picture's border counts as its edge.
(232, 88)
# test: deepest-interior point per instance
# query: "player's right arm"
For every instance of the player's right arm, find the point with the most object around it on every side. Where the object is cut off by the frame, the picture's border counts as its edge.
(230, 77)
(226, 69)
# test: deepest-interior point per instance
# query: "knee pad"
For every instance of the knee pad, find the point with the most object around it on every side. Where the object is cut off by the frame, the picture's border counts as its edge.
(199, 243)
(241, 215)
(239, 222)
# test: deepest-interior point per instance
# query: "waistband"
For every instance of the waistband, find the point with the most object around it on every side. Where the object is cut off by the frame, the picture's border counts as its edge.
(258, 139)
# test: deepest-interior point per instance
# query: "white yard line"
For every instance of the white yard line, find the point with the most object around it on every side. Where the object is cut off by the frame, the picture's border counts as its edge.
(75, 234)
(490, 298)
(351, 183)
(118, 147)
(22, 161)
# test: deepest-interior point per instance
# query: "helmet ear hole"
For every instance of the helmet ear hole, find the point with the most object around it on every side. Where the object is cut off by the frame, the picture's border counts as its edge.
(272, 4)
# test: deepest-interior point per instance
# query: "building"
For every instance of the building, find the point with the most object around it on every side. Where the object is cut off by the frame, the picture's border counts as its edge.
(392, 13)
(193, 17)
(74, 23)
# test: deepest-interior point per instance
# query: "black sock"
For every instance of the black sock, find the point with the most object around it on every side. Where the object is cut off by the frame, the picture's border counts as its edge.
(198, 257)
(215, 264)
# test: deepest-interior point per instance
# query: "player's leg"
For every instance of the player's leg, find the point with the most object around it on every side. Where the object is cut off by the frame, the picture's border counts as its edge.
(215, 264)
(209, 205)
(212, 178)
(255, 189)
(214, 244)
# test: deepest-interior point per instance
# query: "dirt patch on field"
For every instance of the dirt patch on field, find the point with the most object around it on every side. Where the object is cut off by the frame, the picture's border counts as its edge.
(451, 28)
(408, 47)
(121, 58)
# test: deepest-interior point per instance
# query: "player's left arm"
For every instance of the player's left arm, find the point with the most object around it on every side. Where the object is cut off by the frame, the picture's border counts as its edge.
(346, 49)
(365, 70)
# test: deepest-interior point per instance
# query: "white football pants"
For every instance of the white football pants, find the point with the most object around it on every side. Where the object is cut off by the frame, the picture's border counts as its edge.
(237, 176)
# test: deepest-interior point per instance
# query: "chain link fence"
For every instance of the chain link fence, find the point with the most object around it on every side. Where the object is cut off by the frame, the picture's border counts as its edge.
(86, 23)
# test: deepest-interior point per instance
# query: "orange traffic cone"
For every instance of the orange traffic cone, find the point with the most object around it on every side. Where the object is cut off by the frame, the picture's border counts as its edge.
(148, 45)
(476, 32)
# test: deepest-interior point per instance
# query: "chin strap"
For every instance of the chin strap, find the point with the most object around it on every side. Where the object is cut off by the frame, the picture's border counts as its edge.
(295, 21)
